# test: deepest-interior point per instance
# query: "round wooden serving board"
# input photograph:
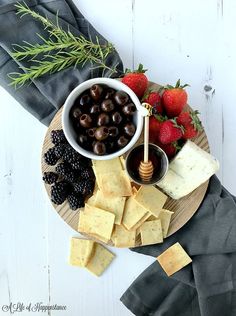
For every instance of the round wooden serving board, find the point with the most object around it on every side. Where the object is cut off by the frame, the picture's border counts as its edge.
(183, 208)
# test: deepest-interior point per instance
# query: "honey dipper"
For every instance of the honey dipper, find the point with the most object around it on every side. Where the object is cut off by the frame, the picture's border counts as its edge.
(146, 167)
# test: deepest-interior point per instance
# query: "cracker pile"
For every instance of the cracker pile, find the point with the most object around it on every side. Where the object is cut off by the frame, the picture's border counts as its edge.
(118, 212)
(88, 254)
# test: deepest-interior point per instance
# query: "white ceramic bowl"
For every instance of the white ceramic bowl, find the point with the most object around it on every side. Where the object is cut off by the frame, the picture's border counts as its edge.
(71, 134)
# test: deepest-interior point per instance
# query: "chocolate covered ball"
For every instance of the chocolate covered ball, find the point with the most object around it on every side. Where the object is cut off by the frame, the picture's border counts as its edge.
(76, 112)
(103, 119)
(91, 132)
(129, 129)
(99, 148)
(107, 105)
(116, 118)
(121, 97)
(113, 131)
(101, 133)
(95, 109)
(122, 141)
(85, 120)
(129, 109)
(109, 93)
(85, 100)
(96, 92)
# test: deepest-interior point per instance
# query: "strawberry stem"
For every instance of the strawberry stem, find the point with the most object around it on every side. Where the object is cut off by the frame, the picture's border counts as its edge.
(196, 121)
(177, 125)
(177, 86)
(140, 70)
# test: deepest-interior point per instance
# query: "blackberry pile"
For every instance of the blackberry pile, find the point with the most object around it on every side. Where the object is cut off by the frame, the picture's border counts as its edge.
(73, 178)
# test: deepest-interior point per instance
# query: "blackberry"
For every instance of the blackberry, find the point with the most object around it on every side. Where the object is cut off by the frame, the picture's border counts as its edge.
(58, 137)
(76, 200)
(84, 187)
(59, 150)
(70, 155)
(50, 157)
(64, 170)
(87, 174)
(89, 187)
(50, 177)
(80, 187)
(59, 192)
(86, 161)
(78, 165)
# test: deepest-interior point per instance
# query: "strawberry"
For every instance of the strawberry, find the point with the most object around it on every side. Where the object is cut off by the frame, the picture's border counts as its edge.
(174, 99)
(189, 132)
(191, 123)
(136, 81)
(155, 122)
(169, 149)
(154, 99)
(184, 118)
(170, 131)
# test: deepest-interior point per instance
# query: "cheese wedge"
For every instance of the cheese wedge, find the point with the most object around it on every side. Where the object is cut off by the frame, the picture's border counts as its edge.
(191, 167)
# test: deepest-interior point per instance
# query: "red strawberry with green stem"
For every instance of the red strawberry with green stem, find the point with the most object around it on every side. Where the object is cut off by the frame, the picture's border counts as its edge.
(170, 149)
(155, 122)
(191, 123)
(136, 80)
(170, 132)
(174, 99)
(154, 99)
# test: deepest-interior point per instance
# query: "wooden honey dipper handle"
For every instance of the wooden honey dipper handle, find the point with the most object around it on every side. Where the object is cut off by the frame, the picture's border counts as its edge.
(146, 166)
(146, 138)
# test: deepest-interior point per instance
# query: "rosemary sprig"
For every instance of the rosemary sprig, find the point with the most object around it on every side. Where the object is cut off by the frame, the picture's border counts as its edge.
(61, 50)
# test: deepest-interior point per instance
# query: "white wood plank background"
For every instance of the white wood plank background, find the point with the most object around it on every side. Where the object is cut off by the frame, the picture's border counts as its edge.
(191, 40)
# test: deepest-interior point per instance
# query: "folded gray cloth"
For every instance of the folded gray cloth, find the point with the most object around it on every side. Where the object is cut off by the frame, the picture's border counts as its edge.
(207, 287)
(45, 95)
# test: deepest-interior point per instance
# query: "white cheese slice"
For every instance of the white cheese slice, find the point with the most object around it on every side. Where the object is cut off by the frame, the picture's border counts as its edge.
(191, 167)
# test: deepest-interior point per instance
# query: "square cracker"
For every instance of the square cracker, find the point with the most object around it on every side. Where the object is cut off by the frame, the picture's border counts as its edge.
(122, 161)
(113, 204)
(134, 190)
(173, 259)
(96, 221)
(115, 184)
(133, 213)
(151, 232)
(101, 166)
(100, 260)
(101, 239)
(123, 237)
(141, 221)
(96, 176)
(165, 217)
(151, 198)
(80, 251)
(152, 218)
(92, 199)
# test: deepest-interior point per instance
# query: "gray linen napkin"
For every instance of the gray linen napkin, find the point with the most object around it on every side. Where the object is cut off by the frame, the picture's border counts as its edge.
(207, 287)
(45, 95)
